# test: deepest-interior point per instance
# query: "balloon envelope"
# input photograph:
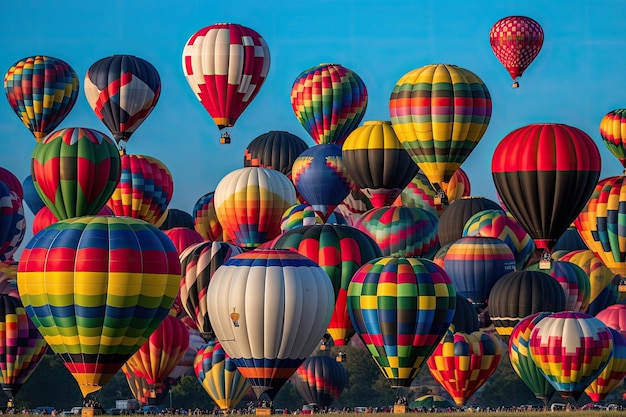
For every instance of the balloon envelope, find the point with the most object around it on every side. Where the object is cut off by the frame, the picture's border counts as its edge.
(320, 380)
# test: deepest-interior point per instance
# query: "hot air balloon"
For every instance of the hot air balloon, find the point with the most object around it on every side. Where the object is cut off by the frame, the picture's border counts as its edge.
(145, 393)
(401, 231)
(614, 372)
(498, 224)
(570, 240)
(250, 202)
(436, 131)
(276, 150)
(12, 182)
(536, 167)
(219, 376)
(329, 100)
(160, 354)
(522, 293)
(452, 221)
(474, 264)
(428, 402)
(31, 196)
(45, 218)
(603, 288)
(573, 280)
(320, 380)
(612, 131)
(340, 251)
(461, 363)
(421, 194)
(298, 216)
(321, 178)
(516, 42)
(185, 365)
(377, 162)
(571, 350)
(521, 361)
(614, 316)
(225, 65)
(465, 316)
(400, 308)
(601, 224)
(177, 218)
(75, 171)
(205, 218)
(21, 344)
(41, 90)
(183, 237)
(355, 204)
(269, 309)
(105, 284)
(12, 222)
(198, 264)
(122, 90)
(144, 190)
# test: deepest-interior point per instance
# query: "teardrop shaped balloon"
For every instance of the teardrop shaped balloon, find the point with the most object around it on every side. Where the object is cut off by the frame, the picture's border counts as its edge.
(521, 361)
(329, 100)
(122, 90)
(226, 65)
(75, 171)
(536, 167)
(462, 362)
(96, 288)
(219, 376)
(22, 344)
(41, 90)
(516, 42)
(571, 350)
(377, 162)
(438, 133)
(613, 133)
(320, 380)
(269, 309)
(401, 308)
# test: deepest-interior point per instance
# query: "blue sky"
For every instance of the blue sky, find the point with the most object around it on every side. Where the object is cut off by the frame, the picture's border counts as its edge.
(577, 78)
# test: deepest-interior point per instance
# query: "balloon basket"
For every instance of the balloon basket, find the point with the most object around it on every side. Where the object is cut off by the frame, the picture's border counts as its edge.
(90, 412)
(263, 411)
(399, 408)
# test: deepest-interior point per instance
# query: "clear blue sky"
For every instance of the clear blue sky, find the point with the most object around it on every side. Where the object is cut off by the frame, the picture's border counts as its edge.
(577, 78)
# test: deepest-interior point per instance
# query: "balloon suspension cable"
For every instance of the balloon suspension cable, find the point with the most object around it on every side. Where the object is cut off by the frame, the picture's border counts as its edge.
(441, 198)
(225, 137)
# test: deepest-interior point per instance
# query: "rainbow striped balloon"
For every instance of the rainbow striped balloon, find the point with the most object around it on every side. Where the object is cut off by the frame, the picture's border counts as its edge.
(96, 288)
(401, 308)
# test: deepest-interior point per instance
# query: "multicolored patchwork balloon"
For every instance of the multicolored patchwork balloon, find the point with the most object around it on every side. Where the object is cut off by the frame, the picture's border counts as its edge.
(462, 363)
(401, 231)
(144, 190)
(320, 380)
(298, 216)
(498, 224)
(613, 133)
(250, 202)
(452, 221)
(571, 350)
(146, 393)
(219, 375)
(205, 218)
(198, 264)
(521, 361)
(475, 264)
(12, 222)
(329, 100)
(226, 65)
(340, 251)
(321, 178)
(516, 42)
(572, 279)
(96, 288)
(438, 133)
(122, 90)
(75, 171)
(614, 372)
(401, 308)
(41, 90)
(377, 162)
(22, 345)
(522, 293)
(269, 308)
(419, 193)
